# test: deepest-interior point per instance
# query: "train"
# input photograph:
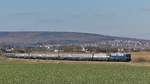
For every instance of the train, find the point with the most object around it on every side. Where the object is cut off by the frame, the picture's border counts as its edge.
(113, 57)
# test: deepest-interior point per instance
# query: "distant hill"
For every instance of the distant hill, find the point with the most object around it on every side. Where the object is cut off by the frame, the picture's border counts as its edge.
(66, 37)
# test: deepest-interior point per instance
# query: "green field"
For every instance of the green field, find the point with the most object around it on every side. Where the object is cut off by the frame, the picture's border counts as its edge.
(40, 73)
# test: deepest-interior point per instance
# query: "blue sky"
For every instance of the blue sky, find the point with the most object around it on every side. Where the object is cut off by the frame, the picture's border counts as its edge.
(127, 18)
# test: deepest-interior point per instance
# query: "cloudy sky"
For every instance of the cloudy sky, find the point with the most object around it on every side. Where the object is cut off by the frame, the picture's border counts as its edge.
(127, 18)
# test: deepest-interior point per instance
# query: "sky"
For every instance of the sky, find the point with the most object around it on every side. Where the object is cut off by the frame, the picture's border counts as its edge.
(126, 18)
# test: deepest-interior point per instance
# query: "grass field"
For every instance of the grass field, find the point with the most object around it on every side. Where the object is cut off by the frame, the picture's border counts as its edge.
(141, 57)
(16, 72)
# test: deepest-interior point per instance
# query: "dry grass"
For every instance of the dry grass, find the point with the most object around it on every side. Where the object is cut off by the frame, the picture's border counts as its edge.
(140, 57)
